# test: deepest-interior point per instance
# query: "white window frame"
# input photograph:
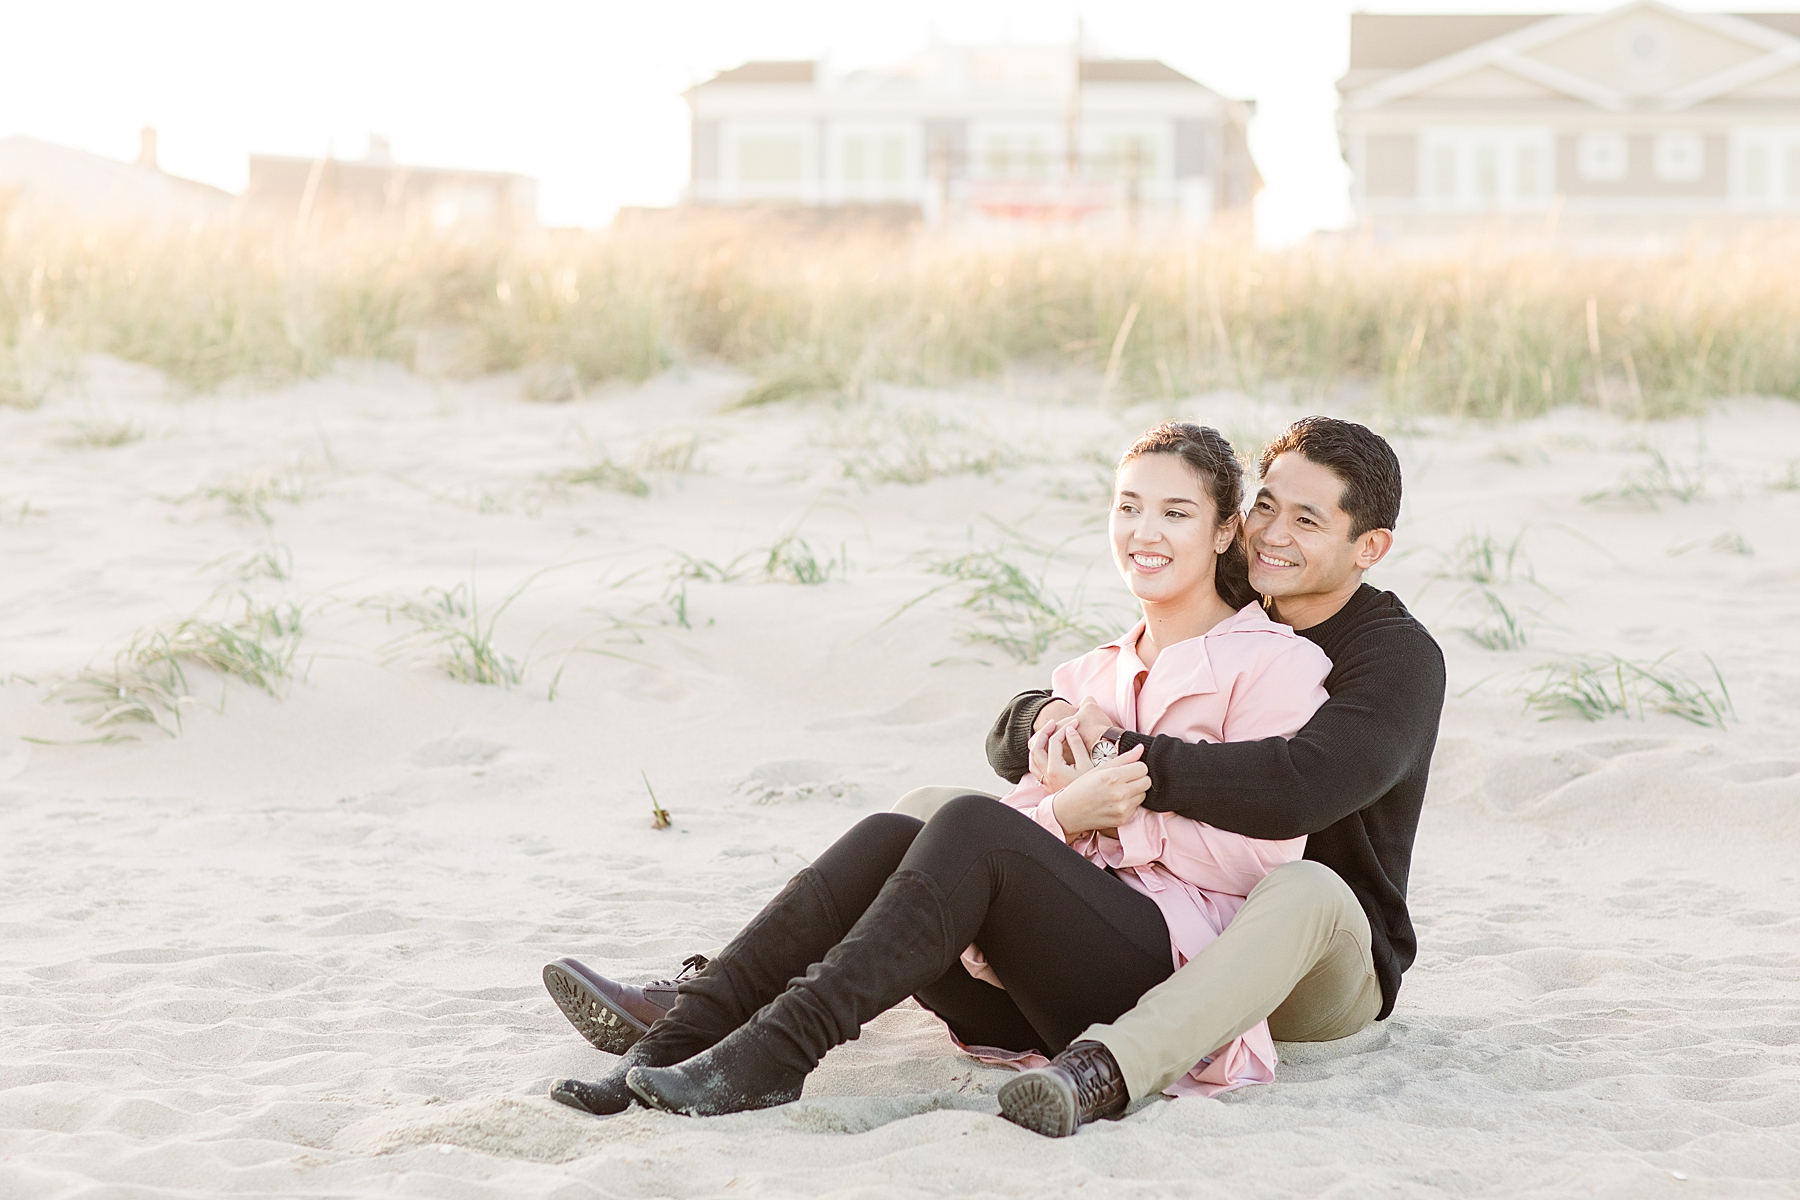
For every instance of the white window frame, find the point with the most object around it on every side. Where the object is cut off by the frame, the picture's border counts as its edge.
(1603, 157)
(1470, 148)
(1678, 156)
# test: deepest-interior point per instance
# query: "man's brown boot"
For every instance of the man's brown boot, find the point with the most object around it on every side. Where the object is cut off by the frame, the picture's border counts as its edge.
(1081, 1084)
(612, 1016)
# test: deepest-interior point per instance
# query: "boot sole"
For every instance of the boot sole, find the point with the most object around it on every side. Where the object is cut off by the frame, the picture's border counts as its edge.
(605, 1026)
(1040, 1102)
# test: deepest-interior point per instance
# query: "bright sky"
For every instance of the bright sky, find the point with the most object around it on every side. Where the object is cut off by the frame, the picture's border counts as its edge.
(585, 97)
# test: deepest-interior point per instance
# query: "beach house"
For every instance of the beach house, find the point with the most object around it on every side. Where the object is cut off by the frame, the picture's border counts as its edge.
(377, 188)
(995, 136)
(1641, 120)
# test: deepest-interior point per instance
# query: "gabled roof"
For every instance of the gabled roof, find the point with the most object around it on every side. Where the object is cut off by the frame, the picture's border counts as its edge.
(1370, 85)
(1132, 70)
(767, 72)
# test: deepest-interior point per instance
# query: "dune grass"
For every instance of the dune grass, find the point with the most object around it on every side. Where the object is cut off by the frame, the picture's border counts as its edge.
(1648, 486)
(149, 681)
(450, 633)
(1479, 330)
(253, 494)
(1594, 686)
(101, 434)
(1007, 606)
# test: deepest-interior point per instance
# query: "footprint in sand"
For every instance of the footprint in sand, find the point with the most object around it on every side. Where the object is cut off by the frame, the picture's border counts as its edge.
(463, 750)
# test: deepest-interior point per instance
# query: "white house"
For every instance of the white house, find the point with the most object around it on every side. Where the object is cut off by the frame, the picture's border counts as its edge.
(48, 179)
(1644, 118)
(970, 134)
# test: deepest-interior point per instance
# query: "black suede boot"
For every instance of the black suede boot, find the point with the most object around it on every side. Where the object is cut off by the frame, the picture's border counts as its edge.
(792, 932)
(903, 942)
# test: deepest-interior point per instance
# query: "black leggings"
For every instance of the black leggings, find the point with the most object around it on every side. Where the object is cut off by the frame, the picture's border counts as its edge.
(1073, 943)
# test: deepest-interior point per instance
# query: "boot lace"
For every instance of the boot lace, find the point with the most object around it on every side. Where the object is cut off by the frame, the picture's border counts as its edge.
(691, 966)
(1097, 1084)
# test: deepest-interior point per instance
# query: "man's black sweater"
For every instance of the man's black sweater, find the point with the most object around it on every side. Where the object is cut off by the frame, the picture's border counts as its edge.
(1352, 780)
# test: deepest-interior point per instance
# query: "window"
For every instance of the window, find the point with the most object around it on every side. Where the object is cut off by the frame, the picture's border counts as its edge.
(1603, 157)
(770, 159)
(1765, 167)
(1015, 156)
(871, 163)
(1679, 157)
(1487, 169)
(1445, 173)
(893, 159)
(1127, 156)
(1756, 172)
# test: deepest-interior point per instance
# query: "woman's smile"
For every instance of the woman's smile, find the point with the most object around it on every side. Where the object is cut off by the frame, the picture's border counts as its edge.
(1148, 563)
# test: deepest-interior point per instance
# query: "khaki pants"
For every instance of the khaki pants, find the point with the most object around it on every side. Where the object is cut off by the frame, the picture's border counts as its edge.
(1297, 953)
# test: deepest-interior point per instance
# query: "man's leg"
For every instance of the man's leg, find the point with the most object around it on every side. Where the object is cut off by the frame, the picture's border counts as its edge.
(1296, 953)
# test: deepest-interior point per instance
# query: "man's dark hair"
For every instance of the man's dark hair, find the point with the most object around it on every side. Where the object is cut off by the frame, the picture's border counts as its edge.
(1358, 456)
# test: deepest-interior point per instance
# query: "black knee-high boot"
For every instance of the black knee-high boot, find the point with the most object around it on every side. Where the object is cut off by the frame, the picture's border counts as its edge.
(904, 941)
(792, 932)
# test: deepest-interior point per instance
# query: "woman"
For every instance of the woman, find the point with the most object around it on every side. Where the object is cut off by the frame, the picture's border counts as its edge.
(890, 909)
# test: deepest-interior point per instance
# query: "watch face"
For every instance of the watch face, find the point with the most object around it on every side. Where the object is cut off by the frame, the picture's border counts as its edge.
(1104, 750)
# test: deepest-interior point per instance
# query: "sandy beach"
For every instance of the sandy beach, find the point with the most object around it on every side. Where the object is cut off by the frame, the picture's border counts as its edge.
(294, 951)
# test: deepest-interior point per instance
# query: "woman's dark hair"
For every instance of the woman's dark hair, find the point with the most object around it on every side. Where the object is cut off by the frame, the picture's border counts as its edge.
(1208, 455)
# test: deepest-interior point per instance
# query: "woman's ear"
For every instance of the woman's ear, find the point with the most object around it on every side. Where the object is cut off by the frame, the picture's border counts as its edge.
(1228, 533)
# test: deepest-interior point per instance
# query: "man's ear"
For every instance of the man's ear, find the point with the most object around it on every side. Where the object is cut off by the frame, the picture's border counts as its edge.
(1372, 547)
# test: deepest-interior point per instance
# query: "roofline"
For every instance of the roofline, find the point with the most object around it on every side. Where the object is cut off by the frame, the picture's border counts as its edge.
(1505, 52)
(357, 164)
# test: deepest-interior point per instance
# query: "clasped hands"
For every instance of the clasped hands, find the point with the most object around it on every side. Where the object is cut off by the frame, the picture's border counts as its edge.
(1086, 798)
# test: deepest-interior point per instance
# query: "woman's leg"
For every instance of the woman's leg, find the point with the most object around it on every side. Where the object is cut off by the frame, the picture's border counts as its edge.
(853, 871)
(978, 1013)
(1084, 944)
(1069, 939)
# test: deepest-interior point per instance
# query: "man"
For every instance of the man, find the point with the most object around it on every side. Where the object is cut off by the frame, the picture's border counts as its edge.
(1319, 945)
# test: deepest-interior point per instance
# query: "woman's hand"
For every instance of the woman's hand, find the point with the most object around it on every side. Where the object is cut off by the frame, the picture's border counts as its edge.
(1038, 748)
(1065, 757)
(1103, 798)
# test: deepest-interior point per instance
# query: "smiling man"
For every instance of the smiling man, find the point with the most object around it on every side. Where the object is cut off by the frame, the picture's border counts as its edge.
(1320, 944)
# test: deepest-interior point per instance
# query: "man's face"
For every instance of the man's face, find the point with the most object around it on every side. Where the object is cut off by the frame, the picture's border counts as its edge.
(1298, 536)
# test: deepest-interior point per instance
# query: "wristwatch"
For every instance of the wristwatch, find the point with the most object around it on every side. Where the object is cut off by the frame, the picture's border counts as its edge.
(1107, 746)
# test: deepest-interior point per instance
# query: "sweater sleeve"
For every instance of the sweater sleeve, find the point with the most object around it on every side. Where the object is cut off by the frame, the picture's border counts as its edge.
(1009, 741)
(1387, 694)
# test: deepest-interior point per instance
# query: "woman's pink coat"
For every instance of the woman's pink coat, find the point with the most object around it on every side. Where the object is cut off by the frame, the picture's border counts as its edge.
(1246, 678)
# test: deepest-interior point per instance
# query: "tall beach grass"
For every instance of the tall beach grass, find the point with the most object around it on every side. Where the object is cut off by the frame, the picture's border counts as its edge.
(1491, 332)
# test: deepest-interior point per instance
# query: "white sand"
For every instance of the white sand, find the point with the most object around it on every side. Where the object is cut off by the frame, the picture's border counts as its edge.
(295, 952)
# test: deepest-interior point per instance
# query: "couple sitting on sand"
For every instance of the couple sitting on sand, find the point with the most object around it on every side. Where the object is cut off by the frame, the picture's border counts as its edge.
(1206, 850)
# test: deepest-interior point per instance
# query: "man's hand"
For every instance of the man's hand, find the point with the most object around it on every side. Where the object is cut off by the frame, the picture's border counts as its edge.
(1091, 722)
(1053, 712)
(1103, 798)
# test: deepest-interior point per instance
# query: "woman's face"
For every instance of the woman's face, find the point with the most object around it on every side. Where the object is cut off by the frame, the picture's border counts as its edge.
(1165, 536)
